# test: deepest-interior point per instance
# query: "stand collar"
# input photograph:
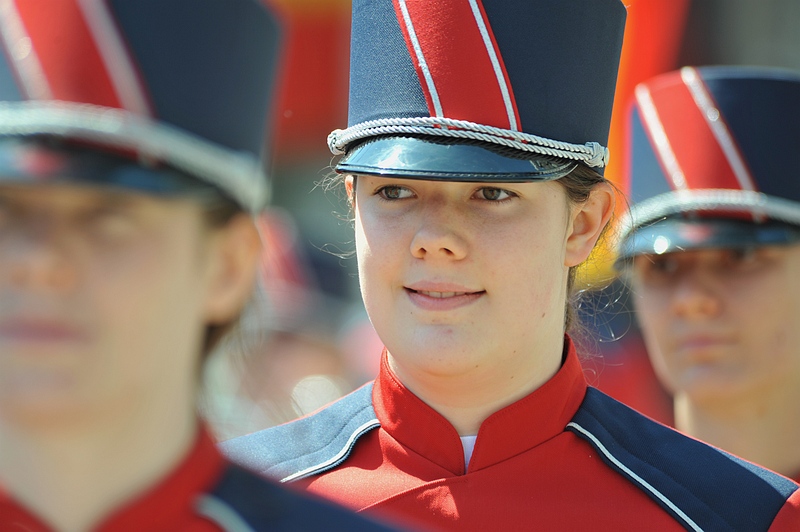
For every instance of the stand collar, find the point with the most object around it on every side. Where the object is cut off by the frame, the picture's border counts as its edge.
(516, 428)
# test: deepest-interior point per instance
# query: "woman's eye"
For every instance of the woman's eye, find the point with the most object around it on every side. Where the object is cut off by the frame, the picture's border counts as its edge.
(661, 265)
(394, 192)
(657, 268)
(746, 253)
(744, 257)
(493, 194)
(665, 264)
(108, 221)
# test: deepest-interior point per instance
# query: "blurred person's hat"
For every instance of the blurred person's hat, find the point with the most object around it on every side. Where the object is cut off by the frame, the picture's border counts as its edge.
(161, 96)
(710, 160)
(480, 90)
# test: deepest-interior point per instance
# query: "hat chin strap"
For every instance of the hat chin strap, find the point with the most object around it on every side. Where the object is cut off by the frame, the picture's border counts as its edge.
(761, 205)
(592, 154)
(239, 174)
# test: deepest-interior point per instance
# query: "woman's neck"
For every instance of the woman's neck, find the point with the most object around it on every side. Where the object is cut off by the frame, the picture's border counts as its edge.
(73, 476)
(764, 430)
(467, 398)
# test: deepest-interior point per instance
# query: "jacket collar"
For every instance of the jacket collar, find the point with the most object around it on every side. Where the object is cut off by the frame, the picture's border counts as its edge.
(516, 428)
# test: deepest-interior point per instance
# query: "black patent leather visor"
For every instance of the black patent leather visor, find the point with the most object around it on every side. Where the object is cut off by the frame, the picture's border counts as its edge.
(449, 160)
(27, 161)
(678, 234)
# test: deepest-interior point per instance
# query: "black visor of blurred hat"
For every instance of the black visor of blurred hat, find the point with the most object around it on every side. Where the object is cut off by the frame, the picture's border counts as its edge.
(499, 90)
(166, 97)
(709, 163)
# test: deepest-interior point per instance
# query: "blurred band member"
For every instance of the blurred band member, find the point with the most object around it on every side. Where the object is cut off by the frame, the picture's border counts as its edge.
(130, 134)
(713, 244)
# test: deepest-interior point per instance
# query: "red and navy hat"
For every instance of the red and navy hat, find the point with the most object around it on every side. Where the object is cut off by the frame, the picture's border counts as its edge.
(162, 96)
(480, 90)
(709, 160)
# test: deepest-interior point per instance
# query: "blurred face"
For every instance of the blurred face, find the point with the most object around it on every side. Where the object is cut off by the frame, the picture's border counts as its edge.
(104, 298)
(722, 323)
(459, 277)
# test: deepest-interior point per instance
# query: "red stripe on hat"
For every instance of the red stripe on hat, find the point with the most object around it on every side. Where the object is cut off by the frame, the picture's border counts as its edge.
(67, 52)
(696, 149)
(445, 38)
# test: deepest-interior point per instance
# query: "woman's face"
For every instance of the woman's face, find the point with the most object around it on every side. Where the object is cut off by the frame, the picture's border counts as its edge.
(464, 277)
(104, 299)
(722, 323)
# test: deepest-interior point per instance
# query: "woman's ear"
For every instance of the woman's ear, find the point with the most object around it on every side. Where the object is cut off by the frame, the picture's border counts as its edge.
(234, 255)
(588, 221)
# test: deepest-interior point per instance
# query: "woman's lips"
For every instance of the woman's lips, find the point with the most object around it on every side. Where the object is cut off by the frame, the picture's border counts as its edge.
(37, 331)
(702, 346)
(443, 298)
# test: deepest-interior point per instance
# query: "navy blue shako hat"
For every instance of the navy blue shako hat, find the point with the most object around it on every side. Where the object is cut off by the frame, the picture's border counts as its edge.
(709, 157)
(480, 90)
(161, 96)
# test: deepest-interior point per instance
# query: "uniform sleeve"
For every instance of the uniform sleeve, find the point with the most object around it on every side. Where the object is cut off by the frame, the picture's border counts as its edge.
(788, 519)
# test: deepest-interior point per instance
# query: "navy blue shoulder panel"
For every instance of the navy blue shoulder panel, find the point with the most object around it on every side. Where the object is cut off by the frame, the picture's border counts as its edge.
(243, 501)
(702, 487)
(309, 445)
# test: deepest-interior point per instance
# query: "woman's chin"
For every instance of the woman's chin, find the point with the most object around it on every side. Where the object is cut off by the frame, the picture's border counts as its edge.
(435, 361)
(712, 385)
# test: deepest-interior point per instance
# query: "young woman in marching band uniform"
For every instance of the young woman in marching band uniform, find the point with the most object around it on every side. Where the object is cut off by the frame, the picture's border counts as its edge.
(472, 163)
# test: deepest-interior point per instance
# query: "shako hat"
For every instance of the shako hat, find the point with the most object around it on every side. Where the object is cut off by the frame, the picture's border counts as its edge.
(480, 90)
(162, 96)
(710, 160)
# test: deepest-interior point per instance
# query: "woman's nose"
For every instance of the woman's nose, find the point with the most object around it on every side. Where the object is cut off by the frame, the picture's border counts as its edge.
(440, 234)
(697, 295)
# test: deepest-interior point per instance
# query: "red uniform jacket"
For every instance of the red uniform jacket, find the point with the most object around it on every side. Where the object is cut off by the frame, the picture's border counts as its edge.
(566, 457)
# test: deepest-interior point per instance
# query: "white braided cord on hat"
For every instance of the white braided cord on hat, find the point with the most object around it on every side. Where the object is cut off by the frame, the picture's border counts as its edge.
(239, 174)
(722, 200)
(591, 153)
